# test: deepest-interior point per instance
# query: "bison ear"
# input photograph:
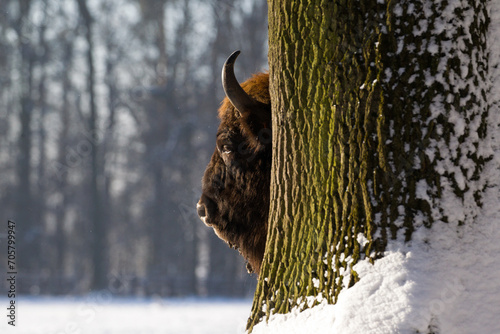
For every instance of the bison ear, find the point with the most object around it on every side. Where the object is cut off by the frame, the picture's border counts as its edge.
(243, 102)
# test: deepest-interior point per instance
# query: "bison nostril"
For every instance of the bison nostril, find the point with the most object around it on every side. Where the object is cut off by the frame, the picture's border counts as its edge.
(202, 213)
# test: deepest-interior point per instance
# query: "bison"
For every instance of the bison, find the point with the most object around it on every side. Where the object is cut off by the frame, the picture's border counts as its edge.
(235, 186)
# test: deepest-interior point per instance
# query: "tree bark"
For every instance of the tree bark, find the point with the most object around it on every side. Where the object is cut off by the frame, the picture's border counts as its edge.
(98, 229)
(28, 229)
(362, 137)
(61, 183)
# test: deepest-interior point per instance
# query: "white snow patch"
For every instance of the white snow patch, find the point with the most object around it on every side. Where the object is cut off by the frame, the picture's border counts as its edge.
(398, 10)
(112, 315)
(362, 240)
(422, 190)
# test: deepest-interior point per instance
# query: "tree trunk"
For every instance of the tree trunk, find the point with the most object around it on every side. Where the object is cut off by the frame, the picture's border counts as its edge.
(61, 183)
(41, 190)
(28, 229)
(365, 132)
(98, 229)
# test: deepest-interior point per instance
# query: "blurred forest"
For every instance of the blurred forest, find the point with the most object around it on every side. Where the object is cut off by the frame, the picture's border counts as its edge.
(108, 114)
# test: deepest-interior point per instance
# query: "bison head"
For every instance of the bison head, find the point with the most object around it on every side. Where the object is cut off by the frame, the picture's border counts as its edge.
(235, 187)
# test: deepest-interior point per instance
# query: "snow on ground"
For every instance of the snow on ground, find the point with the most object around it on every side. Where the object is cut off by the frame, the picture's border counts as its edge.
(447, 280)
(104, 314)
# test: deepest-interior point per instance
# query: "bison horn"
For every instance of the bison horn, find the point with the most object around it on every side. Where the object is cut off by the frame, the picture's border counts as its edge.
(243, 102)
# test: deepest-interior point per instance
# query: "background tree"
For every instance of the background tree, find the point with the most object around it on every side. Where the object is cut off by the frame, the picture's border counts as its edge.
(380, 115)
(25, 200)
(98, 222)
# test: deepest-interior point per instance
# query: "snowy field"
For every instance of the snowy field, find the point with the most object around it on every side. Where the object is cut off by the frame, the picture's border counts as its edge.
(103, 314)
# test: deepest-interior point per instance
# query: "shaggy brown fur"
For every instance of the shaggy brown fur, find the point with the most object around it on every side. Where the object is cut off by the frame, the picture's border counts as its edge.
(235, 187)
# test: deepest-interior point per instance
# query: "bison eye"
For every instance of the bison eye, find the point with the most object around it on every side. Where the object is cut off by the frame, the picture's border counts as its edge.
(226, 149)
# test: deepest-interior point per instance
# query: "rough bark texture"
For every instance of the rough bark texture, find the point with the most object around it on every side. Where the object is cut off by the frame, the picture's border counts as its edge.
(357, 144)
